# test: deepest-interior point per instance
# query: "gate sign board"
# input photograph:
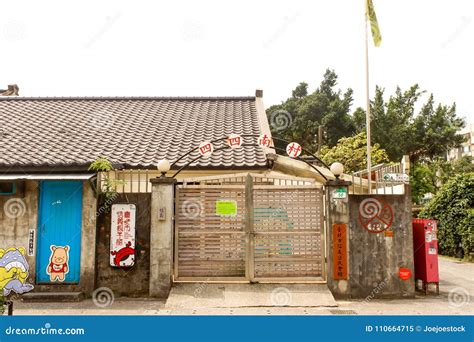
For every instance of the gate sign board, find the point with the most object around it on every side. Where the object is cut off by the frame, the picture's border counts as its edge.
(122, 235)
(339, 193)
(226, 208)
(396, 177)
(339, 248)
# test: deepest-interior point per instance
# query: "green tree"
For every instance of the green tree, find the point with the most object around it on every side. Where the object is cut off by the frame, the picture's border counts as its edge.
(108, 188)
(400, 131)
(299, 117)
(422, 181)
(464, 164)
(359, 119)
(435, 130)
(430, 175)
(300, 91)
(352, 152)
(453, 207)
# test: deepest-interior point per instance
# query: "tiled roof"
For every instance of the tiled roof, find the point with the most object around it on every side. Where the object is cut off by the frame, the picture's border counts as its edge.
(134, 132)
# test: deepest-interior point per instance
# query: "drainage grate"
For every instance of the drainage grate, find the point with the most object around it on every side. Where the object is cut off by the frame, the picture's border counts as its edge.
(343, 312)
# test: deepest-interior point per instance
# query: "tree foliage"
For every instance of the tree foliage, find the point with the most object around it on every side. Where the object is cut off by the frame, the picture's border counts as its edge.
(428, 176)
(352, 152)
(299, 117)
(453, 207)
(109, 185)
(422, 181)
(400, 131)
(397, 125)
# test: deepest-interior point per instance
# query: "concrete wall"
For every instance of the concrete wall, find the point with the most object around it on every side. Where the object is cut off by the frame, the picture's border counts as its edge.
(132, 281)
(14, 232)
(375, 258)
(161, 237)
(19, 214)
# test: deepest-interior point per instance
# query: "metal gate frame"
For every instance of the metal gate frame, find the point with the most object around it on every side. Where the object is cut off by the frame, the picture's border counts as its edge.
(245, 182)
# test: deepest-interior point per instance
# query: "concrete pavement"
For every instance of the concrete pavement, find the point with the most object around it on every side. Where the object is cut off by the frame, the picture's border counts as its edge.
(456, 298)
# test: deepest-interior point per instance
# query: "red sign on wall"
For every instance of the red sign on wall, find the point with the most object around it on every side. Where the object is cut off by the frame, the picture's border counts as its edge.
(122, 235)
(339, 249)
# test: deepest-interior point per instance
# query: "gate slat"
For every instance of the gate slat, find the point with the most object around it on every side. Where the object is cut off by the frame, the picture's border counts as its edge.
(277, 232)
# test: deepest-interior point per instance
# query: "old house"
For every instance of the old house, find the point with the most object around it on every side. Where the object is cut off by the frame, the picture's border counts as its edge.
(230, 207)
(49, 196)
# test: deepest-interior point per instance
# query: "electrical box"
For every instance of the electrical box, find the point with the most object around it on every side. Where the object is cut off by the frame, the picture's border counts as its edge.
(425, 247)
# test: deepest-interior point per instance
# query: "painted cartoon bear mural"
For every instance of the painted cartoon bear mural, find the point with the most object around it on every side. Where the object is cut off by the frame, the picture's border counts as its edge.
(14, 271)
(58, 263)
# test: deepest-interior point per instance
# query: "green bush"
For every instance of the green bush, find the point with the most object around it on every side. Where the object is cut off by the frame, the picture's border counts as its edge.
(452, 207)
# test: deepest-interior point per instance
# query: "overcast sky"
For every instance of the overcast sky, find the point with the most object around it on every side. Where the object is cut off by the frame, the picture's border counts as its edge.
(219, 48)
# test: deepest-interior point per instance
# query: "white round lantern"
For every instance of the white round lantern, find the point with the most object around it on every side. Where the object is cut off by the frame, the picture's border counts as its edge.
(337, 169)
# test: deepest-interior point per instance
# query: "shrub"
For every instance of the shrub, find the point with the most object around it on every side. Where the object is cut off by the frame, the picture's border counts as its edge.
(452, 207)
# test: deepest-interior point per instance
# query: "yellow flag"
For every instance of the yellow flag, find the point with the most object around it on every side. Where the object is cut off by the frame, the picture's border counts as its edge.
(374, 25)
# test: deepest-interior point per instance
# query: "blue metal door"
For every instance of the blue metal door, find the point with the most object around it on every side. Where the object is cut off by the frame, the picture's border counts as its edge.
(59, 232)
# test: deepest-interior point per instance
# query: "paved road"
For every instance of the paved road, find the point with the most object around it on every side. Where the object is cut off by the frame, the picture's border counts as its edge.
(456, 297)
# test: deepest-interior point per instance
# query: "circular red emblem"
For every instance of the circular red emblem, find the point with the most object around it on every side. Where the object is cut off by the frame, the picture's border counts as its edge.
(375, 215)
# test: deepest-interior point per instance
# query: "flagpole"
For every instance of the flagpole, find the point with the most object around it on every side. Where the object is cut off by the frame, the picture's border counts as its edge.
(367, 116)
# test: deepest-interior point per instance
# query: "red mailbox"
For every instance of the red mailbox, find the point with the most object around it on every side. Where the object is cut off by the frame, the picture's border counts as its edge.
(425, 247)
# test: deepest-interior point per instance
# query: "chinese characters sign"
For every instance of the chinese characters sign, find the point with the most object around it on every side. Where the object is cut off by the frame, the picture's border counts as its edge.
(122, 235)
(293, 150)
(205, 149)
(31, 242)
(339, 248)
(234, 141)
(265, 141)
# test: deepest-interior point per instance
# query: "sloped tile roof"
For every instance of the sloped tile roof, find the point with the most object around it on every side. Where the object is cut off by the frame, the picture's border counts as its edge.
(132, 132)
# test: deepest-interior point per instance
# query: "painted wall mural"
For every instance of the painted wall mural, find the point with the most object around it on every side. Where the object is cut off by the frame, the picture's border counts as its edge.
(375, 215)
(58, 266)
(14, 271)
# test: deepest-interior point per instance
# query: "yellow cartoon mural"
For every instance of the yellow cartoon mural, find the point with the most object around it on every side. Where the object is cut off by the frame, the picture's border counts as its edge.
(14, 271)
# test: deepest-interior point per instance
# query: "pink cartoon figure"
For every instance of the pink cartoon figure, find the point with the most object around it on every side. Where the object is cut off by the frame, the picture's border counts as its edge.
(58, 263)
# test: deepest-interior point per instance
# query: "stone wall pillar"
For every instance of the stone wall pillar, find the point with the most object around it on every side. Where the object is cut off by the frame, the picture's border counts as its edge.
(161, 236)
(337, 219)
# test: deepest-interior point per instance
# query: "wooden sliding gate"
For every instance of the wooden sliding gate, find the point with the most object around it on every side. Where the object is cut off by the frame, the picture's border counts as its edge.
(249, 227)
